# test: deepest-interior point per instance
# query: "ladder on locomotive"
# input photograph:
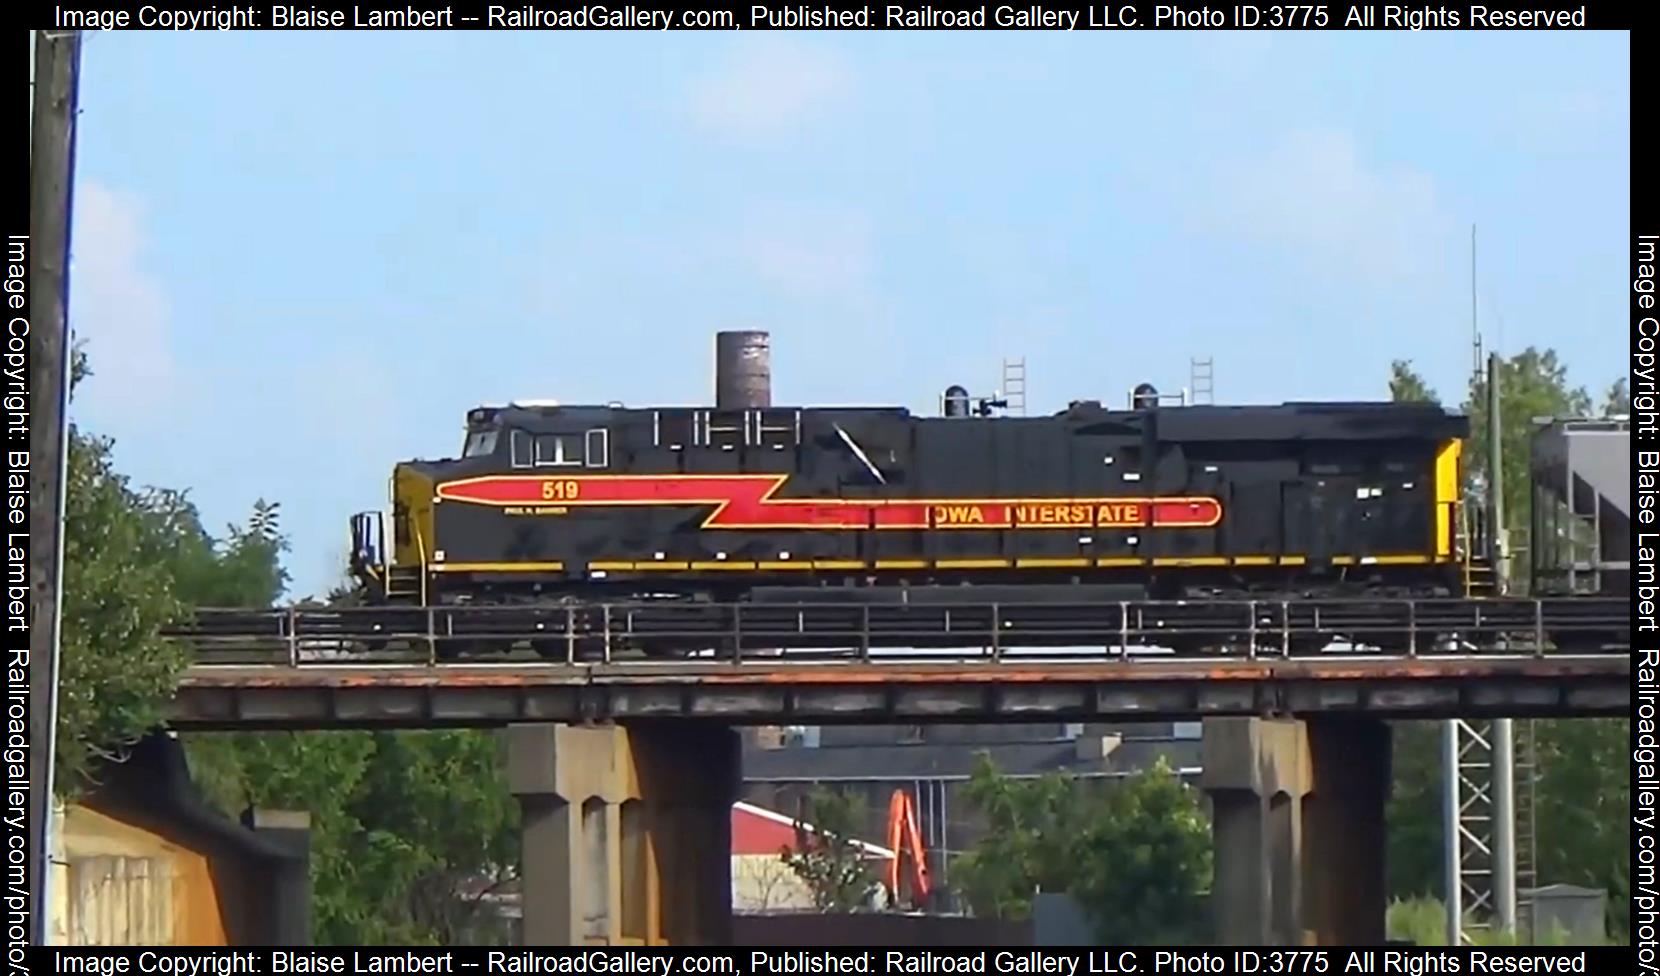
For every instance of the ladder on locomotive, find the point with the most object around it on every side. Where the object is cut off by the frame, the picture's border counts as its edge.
(1014, 387)
(1476, 565)
(404, 582)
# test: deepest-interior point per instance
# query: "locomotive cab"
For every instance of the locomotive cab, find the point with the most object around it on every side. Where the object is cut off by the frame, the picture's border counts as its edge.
(373, 565)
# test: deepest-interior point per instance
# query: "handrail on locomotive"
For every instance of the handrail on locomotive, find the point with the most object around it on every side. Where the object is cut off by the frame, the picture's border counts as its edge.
(758, 634)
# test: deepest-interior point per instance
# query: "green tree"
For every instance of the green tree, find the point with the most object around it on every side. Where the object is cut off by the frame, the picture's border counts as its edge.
(826, 855)
(1616, 401)
(437, 804)
(410, 830)
(1406, 386)
(1029, 844)
(1136, 856)
(1584, 809)
(1414, 851)
(116, 673)
(135, 561)
(1532, 384)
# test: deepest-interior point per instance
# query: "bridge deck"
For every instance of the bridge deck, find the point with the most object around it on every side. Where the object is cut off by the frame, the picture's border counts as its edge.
(833, 662)
(782, 692)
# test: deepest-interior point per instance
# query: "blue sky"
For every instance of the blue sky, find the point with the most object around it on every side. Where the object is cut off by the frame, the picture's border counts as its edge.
(300, 258)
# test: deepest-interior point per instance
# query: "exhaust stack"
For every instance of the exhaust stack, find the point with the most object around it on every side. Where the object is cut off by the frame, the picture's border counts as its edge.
(743, 370)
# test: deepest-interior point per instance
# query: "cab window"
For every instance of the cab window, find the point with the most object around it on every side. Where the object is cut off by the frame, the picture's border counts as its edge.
(558, 450)
(519, 443)
(480, 443)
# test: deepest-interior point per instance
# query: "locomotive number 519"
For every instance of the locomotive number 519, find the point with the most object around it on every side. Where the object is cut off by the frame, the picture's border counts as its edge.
(562, 490)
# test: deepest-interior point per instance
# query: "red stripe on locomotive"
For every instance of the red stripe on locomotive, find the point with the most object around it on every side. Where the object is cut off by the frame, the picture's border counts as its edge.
(747, 502)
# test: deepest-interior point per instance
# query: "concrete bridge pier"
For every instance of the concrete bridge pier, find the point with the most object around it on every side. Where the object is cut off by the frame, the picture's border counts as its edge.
(1298, 822)
(625, 832)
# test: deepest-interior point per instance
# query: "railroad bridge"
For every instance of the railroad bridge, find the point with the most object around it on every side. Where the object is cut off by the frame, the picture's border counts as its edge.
(622, 754)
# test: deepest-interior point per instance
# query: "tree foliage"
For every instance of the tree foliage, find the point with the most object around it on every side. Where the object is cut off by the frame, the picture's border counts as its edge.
(410, 830)
(135, 561)
(116, 673)
(1137, 856)
(1584, 809)
(826, 855)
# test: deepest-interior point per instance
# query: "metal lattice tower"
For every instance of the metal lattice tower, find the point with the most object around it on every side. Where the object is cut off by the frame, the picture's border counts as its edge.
(1469, 749)
(1014, 386)
(1202, 379)
(1467, 755)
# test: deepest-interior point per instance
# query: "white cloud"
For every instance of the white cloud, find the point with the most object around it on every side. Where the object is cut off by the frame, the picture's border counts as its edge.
(118, 306)
(1312, 193)
(768, 86)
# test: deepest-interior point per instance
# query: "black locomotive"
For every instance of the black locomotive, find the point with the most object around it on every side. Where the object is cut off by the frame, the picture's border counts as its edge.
(754, 503)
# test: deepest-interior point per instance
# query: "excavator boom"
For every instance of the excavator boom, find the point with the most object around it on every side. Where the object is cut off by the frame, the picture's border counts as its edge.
(905, 840)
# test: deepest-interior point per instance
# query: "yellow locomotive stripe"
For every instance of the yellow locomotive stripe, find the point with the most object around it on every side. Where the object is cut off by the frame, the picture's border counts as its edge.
(1447, 464)
(1066, 562)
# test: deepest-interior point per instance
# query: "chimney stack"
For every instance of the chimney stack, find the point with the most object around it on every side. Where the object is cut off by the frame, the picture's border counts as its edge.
(743, 370)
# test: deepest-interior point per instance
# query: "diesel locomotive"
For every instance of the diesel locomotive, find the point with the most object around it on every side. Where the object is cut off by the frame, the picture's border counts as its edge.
(747, 501)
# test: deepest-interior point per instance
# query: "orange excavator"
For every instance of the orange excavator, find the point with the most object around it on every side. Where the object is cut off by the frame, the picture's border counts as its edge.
(905, 840)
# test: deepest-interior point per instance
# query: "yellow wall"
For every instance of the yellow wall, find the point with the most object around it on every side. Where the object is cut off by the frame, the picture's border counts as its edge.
(117, 884)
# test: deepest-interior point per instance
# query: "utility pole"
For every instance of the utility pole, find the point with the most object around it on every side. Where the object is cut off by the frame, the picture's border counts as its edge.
(1479, 759)
(52, 132)
(1504, 729)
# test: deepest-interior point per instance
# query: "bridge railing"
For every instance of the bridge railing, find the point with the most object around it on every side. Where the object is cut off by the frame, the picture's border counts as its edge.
(580, 634)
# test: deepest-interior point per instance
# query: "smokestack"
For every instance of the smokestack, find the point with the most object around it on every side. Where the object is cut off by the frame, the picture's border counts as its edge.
(743, 370)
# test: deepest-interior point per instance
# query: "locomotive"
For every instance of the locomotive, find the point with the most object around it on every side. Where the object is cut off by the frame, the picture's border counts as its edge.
(747, 501)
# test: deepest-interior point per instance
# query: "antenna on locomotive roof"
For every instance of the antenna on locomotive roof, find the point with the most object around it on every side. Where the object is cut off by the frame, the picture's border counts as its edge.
(1475, 328)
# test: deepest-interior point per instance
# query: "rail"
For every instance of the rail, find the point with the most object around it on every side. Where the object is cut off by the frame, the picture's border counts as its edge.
(878, 633)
